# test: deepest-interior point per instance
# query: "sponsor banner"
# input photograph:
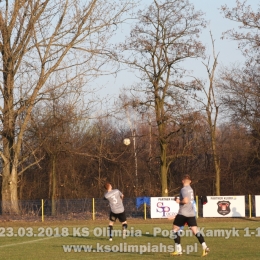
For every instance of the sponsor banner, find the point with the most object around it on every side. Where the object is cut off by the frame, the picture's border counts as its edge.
(163, 207)
(257, 205)
(224, 206)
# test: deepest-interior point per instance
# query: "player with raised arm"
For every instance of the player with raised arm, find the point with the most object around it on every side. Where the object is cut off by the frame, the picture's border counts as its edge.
(186, 214)
(115, 198)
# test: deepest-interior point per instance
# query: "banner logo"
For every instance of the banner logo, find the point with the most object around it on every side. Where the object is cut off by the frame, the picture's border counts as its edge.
(223, 207)
(162, 209)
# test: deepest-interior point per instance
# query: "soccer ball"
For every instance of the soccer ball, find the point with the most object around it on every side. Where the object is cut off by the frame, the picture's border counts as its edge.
(127, 141)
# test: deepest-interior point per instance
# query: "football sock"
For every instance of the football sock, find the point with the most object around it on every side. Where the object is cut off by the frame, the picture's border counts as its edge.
(178, 248)
(200, 237)
(110, 230)
(124, 226)
(204, 246)
(177, 238)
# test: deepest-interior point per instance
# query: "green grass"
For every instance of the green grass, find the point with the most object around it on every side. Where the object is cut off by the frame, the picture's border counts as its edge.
(50, 247)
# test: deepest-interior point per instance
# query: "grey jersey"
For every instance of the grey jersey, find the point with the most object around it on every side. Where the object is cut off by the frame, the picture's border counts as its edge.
(115, 201)
(187, 210)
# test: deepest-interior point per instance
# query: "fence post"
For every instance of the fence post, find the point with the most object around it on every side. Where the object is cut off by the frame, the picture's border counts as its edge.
(197, 206)
(250, 206)
(145, 211)
(93, 209)
(42, 210)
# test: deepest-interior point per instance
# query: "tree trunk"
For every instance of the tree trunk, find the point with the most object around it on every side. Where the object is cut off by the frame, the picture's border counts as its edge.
(216, 167)
(9, 191)
(217, 183)
(164, 169)
(9, 158)
(14, 191)
(6, 197)
(54, 186)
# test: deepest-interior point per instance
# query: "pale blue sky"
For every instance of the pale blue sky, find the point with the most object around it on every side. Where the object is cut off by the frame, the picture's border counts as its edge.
(227, 49)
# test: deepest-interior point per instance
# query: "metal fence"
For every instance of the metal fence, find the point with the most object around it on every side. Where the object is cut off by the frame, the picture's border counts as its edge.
(73, 209)
(90, 208)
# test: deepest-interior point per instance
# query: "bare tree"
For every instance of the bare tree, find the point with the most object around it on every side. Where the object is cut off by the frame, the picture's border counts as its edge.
(247, 35)
(52, 129)
(241, 83)
(38, 39)
(166, 34)
(212, 111)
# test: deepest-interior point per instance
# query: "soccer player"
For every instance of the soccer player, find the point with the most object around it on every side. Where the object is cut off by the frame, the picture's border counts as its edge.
(186, 214)
(115, 198)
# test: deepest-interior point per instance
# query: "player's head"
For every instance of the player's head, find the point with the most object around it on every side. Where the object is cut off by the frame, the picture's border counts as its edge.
(107, 186)
(186, 180)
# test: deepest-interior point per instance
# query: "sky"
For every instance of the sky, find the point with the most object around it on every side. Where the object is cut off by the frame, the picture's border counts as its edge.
(227, 49)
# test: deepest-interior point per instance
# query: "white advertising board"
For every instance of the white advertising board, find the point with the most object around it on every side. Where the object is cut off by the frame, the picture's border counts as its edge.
(257, 205)
(224, 206)
(163, 207)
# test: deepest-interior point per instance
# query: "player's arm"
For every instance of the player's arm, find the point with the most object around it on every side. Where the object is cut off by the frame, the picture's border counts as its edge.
(121, 194)
(185, 199)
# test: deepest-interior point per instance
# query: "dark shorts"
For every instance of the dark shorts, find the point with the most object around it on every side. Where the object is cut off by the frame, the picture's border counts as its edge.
(181, 220)
(120, 216)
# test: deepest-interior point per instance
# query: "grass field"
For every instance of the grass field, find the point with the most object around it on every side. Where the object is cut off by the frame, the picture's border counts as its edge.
(227, 238)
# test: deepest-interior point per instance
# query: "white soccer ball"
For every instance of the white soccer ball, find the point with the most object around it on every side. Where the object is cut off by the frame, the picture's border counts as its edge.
(127, 141)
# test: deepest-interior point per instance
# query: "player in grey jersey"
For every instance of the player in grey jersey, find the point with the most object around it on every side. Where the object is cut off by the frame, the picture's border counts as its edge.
(186, 214)
(115, 198)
